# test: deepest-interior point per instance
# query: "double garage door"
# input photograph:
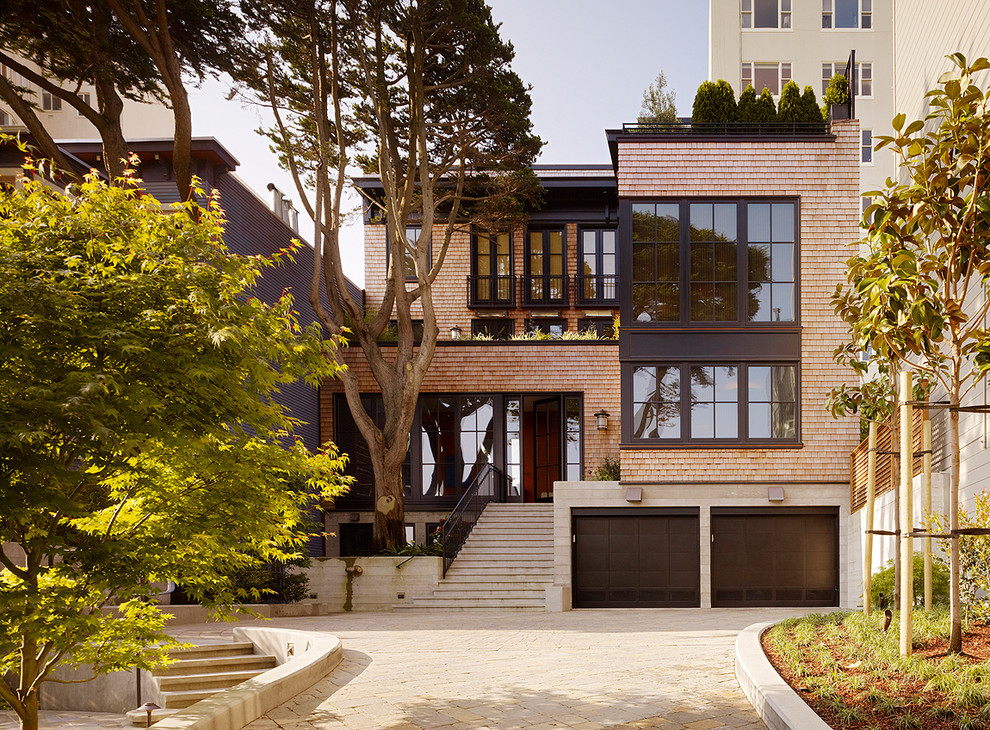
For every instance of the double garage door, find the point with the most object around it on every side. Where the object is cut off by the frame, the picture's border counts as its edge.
(652, 558)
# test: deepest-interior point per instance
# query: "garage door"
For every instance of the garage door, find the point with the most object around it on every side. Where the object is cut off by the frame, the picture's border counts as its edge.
(630, 557)
(781, 557)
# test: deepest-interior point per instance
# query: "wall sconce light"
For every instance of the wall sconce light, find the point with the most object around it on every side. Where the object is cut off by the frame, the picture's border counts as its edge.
(775, 494)
(601, 419)
(455, 332)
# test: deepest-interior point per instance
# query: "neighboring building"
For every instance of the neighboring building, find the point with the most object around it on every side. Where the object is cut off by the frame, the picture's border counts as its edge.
(735, 485)
(770, 42)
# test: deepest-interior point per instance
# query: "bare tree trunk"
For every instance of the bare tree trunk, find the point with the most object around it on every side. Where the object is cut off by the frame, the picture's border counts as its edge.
(390, 512)
(955, 603)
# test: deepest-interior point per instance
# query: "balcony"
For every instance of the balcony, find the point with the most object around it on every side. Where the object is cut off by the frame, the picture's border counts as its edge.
(492, 290)
(597, 289)
(549, 290)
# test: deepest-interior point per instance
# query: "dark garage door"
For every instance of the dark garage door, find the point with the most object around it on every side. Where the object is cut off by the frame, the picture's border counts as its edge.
(780, 557)
(632, 557)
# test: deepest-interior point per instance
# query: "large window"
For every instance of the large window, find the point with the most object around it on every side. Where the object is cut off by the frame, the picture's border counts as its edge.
(409, 251)
(492, 281)
(597, 266)
(457, 438)
(773, 76)
(847, 14)
(545, 274)
(765, 13)
(862, 76)
(719, 402)
(697, 262)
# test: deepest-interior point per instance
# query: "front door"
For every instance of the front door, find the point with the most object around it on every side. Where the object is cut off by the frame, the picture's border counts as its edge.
(546, 447)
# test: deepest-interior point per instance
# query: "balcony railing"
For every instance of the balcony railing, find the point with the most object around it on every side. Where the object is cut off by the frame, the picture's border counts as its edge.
(492, 291)
(727, 128)
(597, 288)
(545, 291)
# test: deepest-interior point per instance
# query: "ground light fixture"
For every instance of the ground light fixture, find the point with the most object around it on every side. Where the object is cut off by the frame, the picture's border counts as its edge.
(601, 419)
(149, 707)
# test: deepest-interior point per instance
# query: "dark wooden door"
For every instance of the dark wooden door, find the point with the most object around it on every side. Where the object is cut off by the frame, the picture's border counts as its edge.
(546, 447)
(775, 558)
(636, 560)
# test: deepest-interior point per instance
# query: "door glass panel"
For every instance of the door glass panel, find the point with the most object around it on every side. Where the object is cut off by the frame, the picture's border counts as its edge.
(439, 447)
(572, 449)
(477, 435)
(513, 444)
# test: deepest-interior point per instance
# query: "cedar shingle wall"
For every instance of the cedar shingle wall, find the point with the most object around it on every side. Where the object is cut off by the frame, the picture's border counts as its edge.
(826, 177)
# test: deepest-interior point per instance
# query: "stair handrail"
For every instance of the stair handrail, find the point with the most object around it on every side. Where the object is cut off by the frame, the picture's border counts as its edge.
(489, 485)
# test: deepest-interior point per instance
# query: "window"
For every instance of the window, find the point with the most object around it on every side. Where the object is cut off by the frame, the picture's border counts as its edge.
(350, 441)
(409, 252)
(715, 402)
(862, 76)
(391, 332)
(770, 257)
(866, 155)
(545, 274)
(493, 282)
(497, 329)
(766, 13)
(572, 437)
(603, 327)
(847, 14)
(50, 102)
(714, 277)
(85, 100)
(597, 266)
(732, 262)
(457, 435)
(771, 76)
(5, 118)
(553, 326)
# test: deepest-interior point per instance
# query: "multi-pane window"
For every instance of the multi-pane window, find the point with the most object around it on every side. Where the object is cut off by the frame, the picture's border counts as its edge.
(862, 81)
(50, 102)
(84, 97)
(457, 435)
(602, 327)
(713, 262)
(572, 439)
(5, 118)
(866, 146)
(597, 266)
(656, 262)
(773, 76)
(513, 446)
(765, 13)
(409, 251)
(545, 267)
(553, 326)
(715, 402)
(847, 14)
(770, 254)
(497, 329)
(493, 281)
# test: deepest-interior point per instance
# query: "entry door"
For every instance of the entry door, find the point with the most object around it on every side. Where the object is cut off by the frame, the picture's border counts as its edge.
(546, 447)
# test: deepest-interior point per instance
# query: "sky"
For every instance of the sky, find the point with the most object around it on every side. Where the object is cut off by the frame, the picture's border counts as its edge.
(588, 63)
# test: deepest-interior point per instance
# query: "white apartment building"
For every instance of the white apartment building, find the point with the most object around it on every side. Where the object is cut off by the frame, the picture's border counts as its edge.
(770, 42)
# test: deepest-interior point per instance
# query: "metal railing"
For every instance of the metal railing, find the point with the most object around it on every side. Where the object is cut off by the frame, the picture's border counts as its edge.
(490, 485)
(727, 128)
(492, 291)
(545, 290)
(597, 288)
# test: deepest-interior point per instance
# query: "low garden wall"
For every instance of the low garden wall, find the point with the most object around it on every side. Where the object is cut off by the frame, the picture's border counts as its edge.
(372, 584)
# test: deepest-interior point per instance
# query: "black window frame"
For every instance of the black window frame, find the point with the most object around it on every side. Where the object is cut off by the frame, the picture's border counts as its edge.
(492, 279)
(537, 324)
(410, 274)
(545, 279)
(684, 438)
(604, 327)
(602, 286)
(483, 325)
(684, 322)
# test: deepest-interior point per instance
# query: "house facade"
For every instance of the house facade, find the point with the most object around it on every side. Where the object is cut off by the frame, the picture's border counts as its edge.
(734, 486)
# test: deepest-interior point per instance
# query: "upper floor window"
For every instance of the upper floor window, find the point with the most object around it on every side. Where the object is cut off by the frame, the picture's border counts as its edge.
(705, 262)
(866, 146)
(545, 270)
(50, 102)
(862, 76)
(84, 97)
(409, 251)
(492, 282)
(766, 13)
(597, 266)
(773, 76)
(5, 118)
(847, 14)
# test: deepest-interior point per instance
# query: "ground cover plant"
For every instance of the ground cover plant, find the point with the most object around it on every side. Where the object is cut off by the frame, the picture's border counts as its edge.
(848, 669)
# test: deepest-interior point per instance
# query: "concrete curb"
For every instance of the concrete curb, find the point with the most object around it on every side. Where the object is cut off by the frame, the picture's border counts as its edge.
(313, 657)
(780, 707)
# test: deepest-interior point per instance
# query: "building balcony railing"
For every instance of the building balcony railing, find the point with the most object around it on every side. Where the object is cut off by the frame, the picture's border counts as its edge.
(727, 128)
(491, 290)
(545, 290)
(597, 289)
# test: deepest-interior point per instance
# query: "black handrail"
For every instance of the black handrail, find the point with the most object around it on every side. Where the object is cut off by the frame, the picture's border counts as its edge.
(596, 288)
(488, 486)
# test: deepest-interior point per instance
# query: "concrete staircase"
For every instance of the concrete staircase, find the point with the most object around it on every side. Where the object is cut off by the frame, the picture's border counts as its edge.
(201, 672)
(506, 564)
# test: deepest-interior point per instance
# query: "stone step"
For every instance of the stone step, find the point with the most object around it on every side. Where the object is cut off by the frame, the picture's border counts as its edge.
(204, 651)
(490, 603)
(509, 563)
(502, 595)
(219, 664)
(507, 548)
(486, 572)
(470, 584)
(185, 698)
(215, 680)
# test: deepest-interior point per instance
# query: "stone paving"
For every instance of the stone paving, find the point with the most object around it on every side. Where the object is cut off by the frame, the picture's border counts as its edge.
(618, 668)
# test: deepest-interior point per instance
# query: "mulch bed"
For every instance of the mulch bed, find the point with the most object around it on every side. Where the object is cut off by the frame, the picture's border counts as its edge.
(907, 694)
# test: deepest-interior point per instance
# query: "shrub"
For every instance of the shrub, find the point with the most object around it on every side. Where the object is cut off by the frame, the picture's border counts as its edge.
(608, 470)
(746, 108)
(766, 110)
(789, 110)
(714, 103)
(811, 112)
(974, 557)
(837, 92)
(883, 582)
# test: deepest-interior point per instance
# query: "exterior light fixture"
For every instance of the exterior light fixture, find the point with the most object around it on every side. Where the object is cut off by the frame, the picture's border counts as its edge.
(455, 332)
(601, 419)
(775, 494)
(148, 707)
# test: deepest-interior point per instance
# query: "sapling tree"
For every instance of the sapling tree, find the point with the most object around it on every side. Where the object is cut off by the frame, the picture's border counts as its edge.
(916, 295)
(139, 437)
(658, 103)
(421, 94)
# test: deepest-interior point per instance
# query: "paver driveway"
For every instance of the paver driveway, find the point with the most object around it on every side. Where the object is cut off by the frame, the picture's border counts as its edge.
(669, 668)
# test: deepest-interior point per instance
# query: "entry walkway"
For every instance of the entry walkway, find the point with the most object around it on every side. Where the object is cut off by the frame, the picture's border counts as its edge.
(618, 668)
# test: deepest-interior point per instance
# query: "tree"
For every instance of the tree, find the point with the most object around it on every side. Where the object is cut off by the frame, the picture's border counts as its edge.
(812, 113)
(753, 109)
(837, 92)
(715, 103)
(127, 49)
(789, 109)
(766, 108)
(915, 294)
(423, 95)
(658, 104)
(139, 440)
